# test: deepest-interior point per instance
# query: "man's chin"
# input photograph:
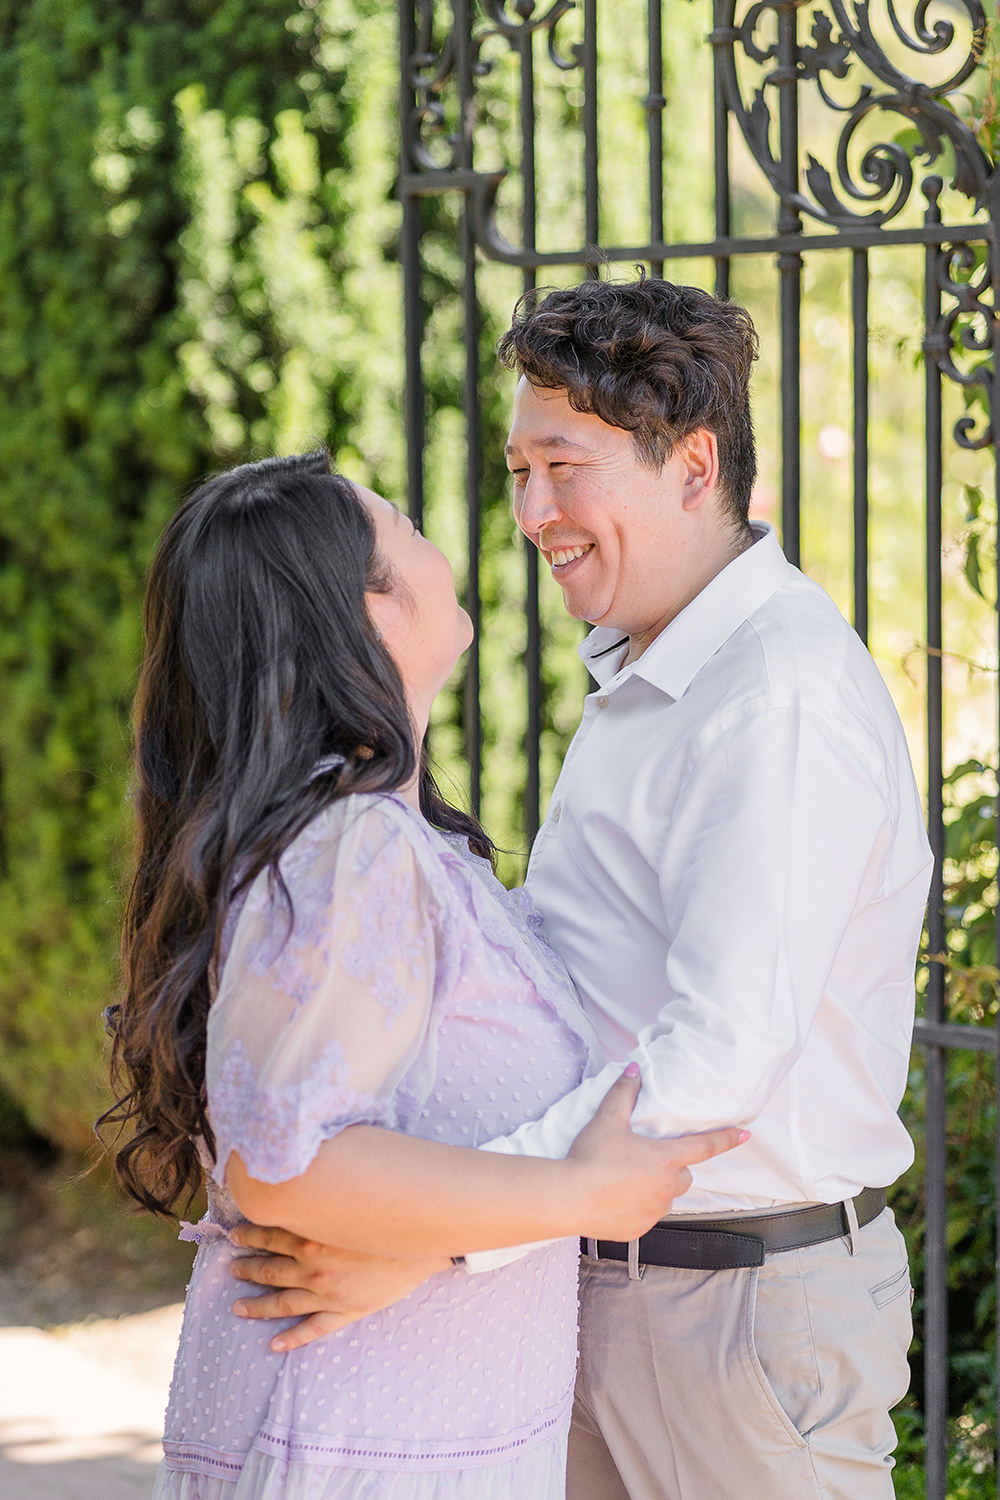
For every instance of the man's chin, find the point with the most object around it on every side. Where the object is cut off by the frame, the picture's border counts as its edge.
(589, 613)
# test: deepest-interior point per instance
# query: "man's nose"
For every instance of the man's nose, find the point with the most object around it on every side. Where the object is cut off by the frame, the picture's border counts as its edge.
(536, 506)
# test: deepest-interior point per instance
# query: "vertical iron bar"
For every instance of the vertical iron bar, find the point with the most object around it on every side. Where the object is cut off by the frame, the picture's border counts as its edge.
(655, 103)
(935, 1252)
(470, 402)
(591, 173)
(533, 643)
(790, 268)
(723, 217)
(859, 325)
(413, 398)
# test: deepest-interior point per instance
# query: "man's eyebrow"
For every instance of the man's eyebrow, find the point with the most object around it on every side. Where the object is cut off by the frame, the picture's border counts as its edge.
(553, 440)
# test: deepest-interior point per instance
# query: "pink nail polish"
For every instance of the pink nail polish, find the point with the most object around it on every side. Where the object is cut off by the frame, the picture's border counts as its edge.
(632, 1071)
(744, 1135)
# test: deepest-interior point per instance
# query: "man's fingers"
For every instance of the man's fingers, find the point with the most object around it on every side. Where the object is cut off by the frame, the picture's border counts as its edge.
(288, 1303)
(708, 1143)
(268, 1238)
(619, 1101)
(268, 1270)
(306, 1332)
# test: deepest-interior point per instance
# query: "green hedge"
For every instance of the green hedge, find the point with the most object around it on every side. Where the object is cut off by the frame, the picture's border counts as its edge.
(196, 236)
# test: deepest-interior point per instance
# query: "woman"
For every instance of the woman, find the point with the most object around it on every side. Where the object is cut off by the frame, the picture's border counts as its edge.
(327, 996)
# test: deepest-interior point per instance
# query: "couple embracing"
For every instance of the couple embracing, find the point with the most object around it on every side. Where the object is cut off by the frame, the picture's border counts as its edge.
(653, 1095)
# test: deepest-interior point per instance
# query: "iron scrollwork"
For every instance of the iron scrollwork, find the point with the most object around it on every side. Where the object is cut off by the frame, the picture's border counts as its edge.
(431, 72)
(429, 145)
(529, 21)
(869, 185)
(961, 340)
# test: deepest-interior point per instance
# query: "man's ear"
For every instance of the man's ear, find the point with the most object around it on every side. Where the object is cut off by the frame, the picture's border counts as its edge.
(700, 453)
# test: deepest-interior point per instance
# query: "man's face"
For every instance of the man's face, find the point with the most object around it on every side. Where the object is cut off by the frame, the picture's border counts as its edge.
(612, 531)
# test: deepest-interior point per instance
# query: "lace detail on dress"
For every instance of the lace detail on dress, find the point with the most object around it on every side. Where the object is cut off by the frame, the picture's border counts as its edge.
(519, 900)
(306, 926)
(298, 1044)
(280, 1128)
(205, 1229)
(389, 947)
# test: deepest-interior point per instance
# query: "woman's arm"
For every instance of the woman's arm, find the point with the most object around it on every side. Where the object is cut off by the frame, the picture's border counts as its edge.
(370, 1189)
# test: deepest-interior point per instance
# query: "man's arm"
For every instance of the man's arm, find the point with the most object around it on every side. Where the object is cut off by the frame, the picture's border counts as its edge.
(435, 1199)
(778, 835)
(432, 1196)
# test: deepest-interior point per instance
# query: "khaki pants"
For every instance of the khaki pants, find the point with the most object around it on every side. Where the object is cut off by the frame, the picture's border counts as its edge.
(766, 1384)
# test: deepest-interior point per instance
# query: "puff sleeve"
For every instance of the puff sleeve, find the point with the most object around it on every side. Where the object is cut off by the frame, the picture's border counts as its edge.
(322, 1009)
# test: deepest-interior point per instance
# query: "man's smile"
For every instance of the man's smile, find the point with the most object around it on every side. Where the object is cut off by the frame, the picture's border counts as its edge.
(561, 559)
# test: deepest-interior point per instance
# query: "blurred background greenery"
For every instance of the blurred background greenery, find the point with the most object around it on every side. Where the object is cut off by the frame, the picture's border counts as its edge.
(198, 264)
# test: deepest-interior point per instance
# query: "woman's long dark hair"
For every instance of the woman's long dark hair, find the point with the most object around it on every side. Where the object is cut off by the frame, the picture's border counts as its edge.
(260, 660)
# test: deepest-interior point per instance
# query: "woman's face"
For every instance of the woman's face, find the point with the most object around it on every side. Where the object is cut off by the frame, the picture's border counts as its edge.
(421, 621)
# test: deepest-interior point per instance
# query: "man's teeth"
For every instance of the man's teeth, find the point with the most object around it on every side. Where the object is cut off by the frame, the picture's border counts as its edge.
(563, 556)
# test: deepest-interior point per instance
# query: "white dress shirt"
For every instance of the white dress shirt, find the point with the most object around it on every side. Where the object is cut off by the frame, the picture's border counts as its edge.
(734, 868)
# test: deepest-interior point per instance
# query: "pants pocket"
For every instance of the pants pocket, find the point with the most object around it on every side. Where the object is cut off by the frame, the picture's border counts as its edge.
(786, 1339)
(892, 1287)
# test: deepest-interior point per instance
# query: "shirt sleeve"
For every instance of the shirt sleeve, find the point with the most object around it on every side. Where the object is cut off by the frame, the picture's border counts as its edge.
(322, 1004)
(780, 833)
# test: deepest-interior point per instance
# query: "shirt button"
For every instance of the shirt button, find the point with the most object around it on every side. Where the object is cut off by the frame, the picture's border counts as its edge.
(602, 701)
(557, 812)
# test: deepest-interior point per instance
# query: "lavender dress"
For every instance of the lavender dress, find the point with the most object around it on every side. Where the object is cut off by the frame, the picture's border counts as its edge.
(412, 992)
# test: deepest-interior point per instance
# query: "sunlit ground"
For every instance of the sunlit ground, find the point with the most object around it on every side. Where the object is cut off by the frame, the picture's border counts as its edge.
(81, 1407)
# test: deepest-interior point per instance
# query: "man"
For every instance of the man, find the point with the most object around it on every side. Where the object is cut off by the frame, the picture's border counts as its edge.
(734, 868)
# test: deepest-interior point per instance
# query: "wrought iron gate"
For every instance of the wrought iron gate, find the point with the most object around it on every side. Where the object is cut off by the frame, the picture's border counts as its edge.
(841, 116)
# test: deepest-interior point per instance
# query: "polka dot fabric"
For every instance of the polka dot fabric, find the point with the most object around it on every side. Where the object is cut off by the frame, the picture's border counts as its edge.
(463, 1389)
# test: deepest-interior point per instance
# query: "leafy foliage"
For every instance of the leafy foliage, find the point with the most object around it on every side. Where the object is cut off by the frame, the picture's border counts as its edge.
(196, 252)
(972, 981)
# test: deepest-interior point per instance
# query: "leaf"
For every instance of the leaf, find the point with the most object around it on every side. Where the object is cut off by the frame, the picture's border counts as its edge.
(971, 567)
(973, 501)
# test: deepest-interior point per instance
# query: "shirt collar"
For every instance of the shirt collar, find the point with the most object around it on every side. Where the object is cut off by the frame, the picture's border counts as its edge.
(680, 651)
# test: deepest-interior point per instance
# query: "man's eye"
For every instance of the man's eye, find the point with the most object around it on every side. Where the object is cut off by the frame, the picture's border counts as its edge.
(517, 474)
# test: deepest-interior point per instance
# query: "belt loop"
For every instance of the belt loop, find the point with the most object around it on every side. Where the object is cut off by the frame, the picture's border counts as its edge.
(853, 1227)
(592, 1249)
(635, 1271)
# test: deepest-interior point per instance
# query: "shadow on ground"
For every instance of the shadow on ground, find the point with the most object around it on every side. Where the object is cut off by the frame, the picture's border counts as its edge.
(89, 1317)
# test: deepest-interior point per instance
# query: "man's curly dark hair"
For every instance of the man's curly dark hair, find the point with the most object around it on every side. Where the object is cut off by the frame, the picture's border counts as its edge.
(655, 359)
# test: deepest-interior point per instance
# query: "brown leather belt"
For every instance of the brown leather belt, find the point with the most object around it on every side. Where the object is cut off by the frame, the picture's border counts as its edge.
(727, 1244)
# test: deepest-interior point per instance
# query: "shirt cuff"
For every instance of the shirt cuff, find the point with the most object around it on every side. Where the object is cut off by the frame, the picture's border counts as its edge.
(492, 1260)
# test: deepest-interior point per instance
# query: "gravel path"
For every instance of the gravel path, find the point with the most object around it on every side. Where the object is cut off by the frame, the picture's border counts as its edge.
(81, 1406)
